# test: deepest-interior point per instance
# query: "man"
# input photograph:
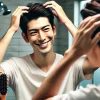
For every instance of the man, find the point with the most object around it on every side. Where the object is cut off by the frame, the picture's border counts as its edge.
(27, 73)
(88, 26)
(51, 85)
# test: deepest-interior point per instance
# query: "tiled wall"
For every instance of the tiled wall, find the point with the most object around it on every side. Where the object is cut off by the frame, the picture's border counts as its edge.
(18, 47)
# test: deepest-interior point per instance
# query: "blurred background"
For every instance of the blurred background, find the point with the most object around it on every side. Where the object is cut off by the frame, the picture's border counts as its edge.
(63, 38)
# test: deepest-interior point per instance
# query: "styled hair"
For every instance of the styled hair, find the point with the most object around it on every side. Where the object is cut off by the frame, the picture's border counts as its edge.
(92, 8)
(36, 10)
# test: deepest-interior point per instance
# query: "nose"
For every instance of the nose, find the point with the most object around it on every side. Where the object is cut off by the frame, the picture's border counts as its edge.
(41, 36)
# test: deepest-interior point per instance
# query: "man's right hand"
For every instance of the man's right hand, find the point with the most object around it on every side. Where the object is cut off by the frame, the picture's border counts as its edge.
(15, 19)
(57, 10)
(82, 41)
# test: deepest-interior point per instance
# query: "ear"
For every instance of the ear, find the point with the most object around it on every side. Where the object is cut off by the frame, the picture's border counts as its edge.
(54, 29)
(25, 38)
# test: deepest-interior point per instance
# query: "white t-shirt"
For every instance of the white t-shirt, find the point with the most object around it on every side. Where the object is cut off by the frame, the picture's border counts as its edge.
(25, 77)
(91, 92)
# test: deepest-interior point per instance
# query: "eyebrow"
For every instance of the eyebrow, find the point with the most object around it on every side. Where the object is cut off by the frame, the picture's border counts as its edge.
(37, 29)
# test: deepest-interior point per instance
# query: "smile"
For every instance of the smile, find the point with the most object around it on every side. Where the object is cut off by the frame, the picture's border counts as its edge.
(43, 44)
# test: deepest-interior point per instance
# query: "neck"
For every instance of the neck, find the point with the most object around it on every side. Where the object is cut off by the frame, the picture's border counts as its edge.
(44, 61)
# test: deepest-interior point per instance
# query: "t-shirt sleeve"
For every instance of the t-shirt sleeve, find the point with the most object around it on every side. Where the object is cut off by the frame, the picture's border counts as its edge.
(78, 70)
(91, 92)
(9, 67)
(61, 97)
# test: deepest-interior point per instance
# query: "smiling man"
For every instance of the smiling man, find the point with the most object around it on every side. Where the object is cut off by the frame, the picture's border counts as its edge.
(26, 74)
(41, 35)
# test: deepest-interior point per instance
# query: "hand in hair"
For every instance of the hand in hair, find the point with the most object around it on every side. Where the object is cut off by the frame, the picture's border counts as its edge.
(83, 40)
(57, 10)
(15, 20)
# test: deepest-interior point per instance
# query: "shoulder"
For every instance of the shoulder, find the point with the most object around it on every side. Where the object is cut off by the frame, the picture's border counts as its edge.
(78, 64)
(81, 60)
(14, 60)
(59, 55)
(21, 58)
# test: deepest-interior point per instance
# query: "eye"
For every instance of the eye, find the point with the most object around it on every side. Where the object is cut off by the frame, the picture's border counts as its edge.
(33, 33)
(46, 29)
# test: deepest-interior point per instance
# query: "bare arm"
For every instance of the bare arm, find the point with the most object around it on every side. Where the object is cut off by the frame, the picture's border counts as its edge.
(14, 26)
(92, 61)
(91, 92)
(49, 88)
(61, 16)
(4, 42)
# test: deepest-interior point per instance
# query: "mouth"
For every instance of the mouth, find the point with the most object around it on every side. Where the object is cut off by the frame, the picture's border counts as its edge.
(44, 44)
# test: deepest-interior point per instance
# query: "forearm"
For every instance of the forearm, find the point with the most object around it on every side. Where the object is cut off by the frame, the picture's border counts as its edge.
(52, 83)
(61, 15)
(70, 26)
(4, 42)
(91, 92)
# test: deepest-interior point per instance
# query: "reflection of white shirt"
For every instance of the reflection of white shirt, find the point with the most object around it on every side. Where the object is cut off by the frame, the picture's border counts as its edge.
(25, 77)
(91, 92)
(74, 76)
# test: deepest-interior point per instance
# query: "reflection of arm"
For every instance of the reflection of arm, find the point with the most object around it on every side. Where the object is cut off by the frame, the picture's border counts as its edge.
(91, 92)
(70, 26)
(61, 16)
(51, 85)
(14, 26)
(4, 42)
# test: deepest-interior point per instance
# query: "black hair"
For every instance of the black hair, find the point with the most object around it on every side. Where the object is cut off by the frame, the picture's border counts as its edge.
(92, 8)
(36, 10)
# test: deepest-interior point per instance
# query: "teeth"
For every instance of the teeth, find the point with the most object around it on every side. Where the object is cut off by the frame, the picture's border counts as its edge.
(42, 45)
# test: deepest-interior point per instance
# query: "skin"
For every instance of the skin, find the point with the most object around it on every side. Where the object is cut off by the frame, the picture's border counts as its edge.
(71, 55)
(45, 40)
(41, 37)
(81, 37)
(13, 28)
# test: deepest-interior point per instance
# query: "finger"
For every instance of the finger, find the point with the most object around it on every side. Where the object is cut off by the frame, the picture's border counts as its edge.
(92, 28)
(95, 40)
(92, 20)
(20, 11)
(53, 9)
(21, 8)
(84, 22)
(50, 3)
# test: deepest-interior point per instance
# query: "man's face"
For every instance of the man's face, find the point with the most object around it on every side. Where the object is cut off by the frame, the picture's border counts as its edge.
(41, 35)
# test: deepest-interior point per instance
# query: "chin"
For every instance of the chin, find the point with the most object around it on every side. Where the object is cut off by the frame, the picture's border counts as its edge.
(45, 51)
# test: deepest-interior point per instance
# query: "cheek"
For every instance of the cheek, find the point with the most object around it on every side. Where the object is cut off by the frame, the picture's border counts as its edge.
(50, 34)
(32, 38)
